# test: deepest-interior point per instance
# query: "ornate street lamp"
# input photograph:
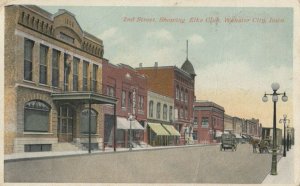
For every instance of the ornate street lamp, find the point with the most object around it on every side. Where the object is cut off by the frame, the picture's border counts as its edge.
(275, 87)
(131, 118)
(284, 121)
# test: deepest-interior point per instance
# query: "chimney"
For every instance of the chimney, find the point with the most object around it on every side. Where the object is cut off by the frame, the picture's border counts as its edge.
(156, 64)
(141, 65)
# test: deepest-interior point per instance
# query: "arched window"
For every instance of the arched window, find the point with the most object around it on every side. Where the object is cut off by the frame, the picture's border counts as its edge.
(151, 109)
(158, 111)
(171, 113)
(36, 116)
(177, 92)
(165, 112)
(85, 121)
(186, 96)
(181, 94)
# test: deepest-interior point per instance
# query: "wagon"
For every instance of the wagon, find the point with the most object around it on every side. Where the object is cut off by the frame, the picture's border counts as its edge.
(228, 141)
(264, 146)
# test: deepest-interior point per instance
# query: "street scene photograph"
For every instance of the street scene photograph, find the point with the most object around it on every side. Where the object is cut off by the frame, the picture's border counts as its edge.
(149, 94)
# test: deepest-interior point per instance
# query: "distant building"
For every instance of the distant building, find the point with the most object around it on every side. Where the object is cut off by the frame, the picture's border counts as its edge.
(210, 119)
(228, 123)
(53, 76)
(178, 84)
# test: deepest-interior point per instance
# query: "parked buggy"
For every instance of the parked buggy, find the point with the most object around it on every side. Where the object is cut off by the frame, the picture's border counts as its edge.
(228, 141)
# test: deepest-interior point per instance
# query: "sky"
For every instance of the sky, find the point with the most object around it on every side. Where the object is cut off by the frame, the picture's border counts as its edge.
(237, 53)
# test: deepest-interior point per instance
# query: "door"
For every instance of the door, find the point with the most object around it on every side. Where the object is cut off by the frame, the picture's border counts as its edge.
(65, 124)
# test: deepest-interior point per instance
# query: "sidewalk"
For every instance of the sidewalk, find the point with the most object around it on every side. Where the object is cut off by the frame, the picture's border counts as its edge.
(285, 170)
(49, 154)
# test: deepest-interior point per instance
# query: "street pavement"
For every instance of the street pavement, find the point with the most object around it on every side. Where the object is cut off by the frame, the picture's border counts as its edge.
(192, 164)
(285, 170)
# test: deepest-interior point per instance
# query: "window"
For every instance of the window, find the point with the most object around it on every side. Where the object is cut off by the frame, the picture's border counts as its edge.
(36, 116)
(151, 109)
(129, 100)
(66, 38)
(181, 95)
(85, 121)
(94, 79)
(158, 111)
(66, 71)
(195, 121)
(55, 67)
(28, 49)
(204, 122)
(37, 147)
(165, 112)
(123, 103)
(85, 75)
(186, 96)
(141, 103)
(177, 92)
(171, 113)
(186, 114)
(43, 64)
(181, 113)
(75, 73)
(110, 91)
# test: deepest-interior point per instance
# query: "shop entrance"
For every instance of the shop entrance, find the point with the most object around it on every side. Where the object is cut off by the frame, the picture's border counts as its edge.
(65, 124)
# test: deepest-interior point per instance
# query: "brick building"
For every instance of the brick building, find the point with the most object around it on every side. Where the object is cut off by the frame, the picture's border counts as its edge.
(210, 119)
(53, 73)
(130, 89)
(178, 84)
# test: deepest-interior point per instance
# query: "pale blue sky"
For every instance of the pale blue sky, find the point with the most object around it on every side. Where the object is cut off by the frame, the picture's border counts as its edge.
(241, 57)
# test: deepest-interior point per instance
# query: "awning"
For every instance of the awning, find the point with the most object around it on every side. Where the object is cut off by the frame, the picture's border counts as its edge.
(124, 123)
(171, 130)
(158, 129)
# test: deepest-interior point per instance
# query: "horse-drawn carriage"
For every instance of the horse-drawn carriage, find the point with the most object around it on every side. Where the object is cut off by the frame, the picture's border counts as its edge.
(228, 141)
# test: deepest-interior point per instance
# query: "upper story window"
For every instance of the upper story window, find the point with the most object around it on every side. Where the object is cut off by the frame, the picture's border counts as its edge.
(151, 109)
(165, 112)
(85, 75)
(75, 73)
(110, 91)
(43, 64)
(186, 96)
(170, 113)
(141, 102)
(181, 95)
(94, 78)
(181, 113)
(177, 92)
(123, 101)
(195, 121)
(204, 122)
(158, 111)
(66, 38)
(55, 67)
(36, 116)
(28, 49)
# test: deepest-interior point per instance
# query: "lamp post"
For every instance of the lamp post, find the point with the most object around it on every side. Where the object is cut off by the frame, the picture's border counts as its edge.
(131, 118)
(284, 121)
(275, 87)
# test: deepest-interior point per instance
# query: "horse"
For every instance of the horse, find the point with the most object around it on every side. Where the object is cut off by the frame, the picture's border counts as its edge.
(255, 144)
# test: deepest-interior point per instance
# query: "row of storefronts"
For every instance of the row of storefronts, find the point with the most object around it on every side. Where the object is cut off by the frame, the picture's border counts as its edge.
(59, 89)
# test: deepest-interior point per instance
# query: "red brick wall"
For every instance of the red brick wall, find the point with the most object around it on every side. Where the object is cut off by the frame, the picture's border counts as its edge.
(115, 76)
(160, 80)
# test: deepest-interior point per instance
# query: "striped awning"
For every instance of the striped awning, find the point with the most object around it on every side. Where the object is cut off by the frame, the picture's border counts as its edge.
(171, 130)
(124, 123)
(158, 129)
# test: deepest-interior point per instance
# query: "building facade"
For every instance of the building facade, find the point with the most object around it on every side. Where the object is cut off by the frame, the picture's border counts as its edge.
(228, 123)
(210, 119)
(178, 84)
(130, 89)
(53, 73)
(160, 118)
